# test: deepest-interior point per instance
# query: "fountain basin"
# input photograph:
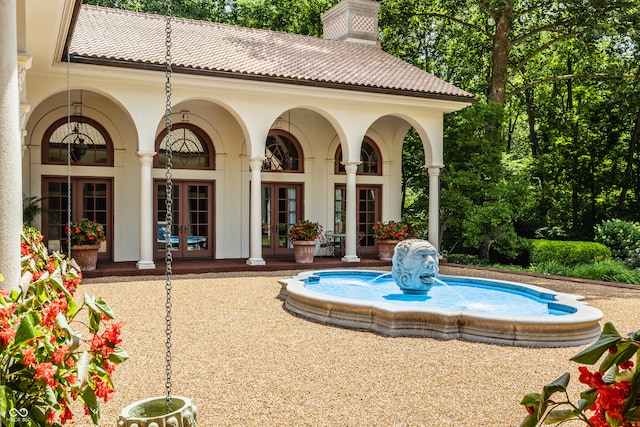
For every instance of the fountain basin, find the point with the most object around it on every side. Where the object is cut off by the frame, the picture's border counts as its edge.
(566, 319)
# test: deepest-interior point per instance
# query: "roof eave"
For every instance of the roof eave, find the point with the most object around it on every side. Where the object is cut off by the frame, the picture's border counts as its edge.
(266, 78)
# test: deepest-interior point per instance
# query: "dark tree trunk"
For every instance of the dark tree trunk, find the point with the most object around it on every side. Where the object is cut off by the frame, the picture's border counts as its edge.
(628, 172)
(533, 136)
(500, 53)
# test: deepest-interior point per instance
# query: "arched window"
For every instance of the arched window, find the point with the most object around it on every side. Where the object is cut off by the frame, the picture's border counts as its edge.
(370, 159)
(282, 153)
(90, 143)
(191, 148)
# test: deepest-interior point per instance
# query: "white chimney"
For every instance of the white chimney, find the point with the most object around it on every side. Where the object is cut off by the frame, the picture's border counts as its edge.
(353, 21)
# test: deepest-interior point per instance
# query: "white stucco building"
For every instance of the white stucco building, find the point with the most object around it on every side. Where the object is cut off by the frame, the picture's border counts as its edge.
(267, 128)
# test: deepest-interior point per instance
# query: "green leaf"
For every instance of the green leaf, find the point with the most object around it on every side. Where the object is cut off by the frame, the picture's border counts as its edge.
(89, 301)
(83, 368)
(94, 321)
(558, 415)
(118, 355)
(624, 351)
(50, 396)
(102, 305)
(635, 391)
(592, 354)
(26, 330)
(61, 322)
(530, 421)
(559, 385)
(4, 404)
(90, 400)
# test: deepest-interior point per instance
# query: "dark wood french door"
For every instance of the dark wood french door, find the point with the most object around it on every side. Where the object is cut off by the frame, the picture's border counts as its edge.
(90, 197)
(368, 213)
(192, 230)
(281, 207)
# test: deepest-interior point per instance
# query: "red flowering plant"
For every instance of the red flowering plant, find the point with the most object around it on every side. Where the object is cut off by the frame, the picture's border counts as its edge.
(45, 361)
(305, 230)
(612, 398)
(85, 232)
(392, 230)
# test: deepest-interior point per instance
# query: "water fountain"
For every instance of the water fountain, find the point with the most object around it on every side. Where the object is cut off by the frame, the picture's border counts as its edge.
(415, 300)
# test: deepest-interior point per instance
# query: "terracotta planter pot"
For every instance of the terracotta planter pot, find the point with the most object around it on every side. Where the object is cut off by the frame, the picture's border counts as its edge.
(153, 412)
(86, 256)
(386, 248)
(303, 251)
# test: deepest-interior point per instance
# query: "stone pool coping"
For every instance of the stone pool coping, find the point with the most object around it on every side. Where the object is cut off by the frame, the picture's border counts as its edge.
(574, 329)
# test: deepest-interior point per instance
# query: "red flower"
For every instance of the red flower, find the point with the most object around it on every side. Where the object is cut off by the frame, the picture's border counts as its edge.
(7, 333)
(45, 371)
(103, 389)
(28, 357)
(59, 355)
(626, 365)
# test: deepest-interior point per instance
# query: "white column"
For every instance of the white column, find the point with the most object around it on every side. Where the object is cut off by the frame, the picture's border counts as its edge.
(434, 207)
(255, 216)
(10, 150)
(146, 212)
(351, 217)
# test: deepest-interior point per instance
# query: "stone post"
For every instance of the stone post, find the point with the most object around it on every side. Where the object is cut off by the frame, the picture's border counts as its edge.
(255, 217)
(147, 236)
(351, 218)
(10, 149)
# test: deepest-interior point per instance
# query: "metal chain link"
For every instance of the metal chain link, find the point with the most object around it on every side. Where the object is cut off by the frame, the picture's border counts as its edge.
(168, 204)
(69, 138)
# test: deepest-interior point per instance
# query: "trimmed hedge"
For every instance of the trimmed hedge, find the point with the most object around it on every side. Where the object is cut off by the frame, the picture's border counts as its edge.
(569, 253)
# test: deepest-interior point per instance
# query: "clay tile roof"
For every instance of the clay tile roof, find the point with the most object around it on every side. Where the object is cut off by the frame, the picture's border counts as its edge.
(134, 39)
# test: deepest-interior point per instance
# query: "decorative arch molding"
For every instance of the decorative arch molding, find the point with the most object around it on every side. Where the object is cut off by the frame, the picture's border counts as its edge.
(283, 153)
(370, 159)
(89, 141)
(97, 105)
(192, 148)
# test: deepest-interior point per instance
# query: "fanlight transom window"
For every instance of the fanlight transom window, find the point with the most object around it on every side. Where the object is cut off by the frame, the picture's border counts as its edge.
(282, 153)
(370, 159)
(88, 140)
(190, 148)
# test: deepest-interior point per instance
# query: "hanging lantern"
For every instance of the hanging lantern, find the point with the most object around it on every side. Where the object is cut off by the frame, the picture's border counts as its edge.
(153, 412)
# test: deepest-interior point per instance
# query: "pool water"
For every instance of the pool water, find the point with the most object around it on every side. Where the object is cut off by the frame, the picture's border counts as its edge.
(448, 292)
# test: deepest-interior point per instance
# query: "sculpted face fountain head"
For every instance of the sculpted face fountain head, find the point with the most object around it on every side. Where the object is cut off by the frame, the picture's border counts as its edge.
(414, 265)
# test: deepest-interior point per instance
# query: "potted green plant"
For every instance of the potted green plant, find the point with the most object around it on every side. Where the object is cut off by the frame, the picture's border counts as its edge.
(55, 348)
(85, 237)
(303, 234)
(388, 234)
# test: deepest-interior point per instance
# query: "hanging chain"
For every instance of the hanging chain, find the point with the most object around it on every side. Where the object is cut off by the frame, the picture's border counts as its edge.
(168, 203)
(69, 138)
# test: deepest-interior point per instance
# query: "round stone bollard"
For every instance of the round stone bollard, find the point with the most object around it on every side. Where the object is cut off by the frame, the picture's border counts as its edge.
(153, 412)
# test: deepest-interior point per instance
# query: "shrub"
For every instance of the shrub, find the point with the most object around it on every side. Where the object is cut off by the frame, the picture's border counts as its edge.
(551, 233)
(569, 253)
(606, 271)
(612, 396)
(633, 260)
(622, 237)
(54, 348)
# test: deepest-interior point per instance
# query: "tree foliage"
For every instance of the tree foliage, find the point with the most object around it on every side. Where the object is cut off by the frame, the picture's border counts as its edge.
(555, 138)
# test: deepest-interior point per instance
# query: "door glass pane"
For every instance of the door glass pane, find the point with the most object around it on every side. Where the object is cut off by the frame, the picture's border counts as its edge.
(198, 227)
(367, 215)
(287, 214)
(57, 215)
(340, 210)
(266, 217)
(94, 203)
(161, 208)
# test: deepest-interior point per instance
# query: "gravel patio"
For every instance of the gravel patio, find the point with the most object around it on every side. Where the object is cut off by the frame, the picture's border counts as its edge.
(245, 361)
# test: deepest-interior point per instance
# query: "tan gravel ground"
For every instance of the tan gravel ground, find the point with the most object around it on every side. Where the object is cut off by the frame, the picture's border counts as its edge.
(245, 361)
